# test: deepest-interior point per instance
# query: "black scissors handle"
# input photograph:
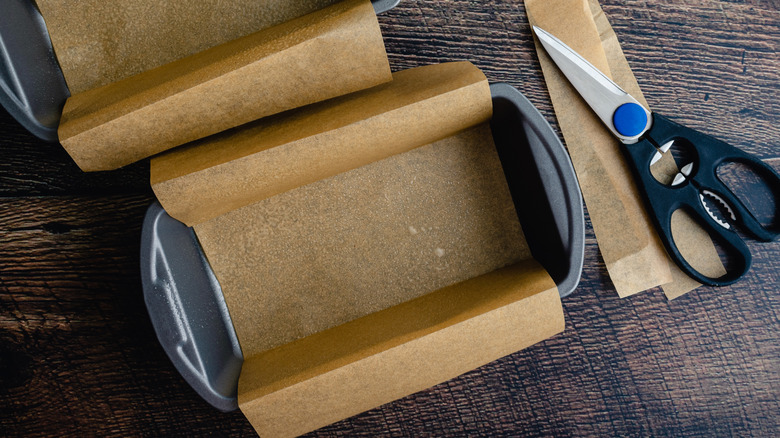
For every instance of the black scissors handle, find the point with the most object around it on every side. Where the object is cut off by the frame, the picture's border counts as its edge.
(663, 200)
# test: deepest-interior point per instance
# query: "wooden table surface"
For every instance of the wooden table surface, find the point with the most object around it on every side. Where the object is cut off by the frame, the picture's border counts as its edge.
(78, 355)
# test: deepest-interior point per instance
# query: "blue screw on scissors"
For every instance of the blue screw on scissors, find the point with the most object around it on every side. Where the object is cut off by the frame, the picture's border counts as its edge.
(646, 136)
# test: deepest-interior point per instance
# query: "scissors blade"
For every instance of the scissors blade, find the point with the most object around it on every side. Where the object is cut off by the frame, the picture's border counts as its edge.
(603, 95)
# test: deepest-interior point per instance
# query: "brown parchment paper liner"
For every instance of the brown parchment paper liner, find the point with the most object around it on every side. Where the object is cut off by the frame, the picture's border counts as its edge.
(328, 53)
(633, 254)
(338, 249)
(370, 285)
(103, 41)
(276, 154)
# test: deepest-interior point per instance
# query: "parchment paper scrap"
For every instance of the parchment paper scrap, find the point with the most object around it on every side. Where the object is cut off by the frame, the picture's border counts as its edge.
(693, 241)
(633, 254)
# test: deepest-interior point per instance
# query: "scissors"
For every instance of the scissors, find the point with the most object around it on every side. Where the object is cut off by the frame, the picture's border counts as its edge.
(697, 189)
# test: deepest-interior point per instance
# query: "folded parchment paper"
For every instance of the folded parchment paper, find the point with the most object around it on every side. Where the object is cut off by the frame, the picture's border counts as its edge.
(102, 41)
(378, 252)
(343, 247)
(357, 366)
(632, 252)
(253, 162)
(376, 283)
(328, 53)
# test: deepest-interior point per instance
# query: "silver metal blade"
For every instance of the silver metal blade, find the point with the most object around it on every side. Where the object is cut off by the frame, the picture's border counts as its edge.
(601, 93)
(718, 209)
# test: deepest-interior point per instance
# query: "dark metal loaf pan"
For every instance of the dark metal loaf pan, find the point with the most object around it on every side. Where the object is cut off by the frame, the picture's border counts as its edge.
(32, 86)
(185, 300)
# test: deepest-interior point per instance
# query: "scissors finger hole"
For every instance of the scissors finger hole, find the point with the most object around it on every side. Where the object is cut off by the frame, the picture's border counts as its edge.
(752, 186)
(673, 162)
(706, 252)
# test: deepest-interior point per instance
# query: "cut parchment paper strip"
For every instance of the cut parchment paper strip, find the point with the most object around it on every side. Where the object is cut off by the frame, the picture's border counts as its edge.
(698, 247)
(270, 156)
(103, 41)
(692, 240)
(328, 53)
(634, 256)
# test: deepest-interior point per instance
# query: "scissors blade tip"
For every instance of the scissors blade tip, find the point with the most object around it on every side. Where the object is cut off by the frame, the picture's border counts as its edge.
(600, 92)
(546, 38)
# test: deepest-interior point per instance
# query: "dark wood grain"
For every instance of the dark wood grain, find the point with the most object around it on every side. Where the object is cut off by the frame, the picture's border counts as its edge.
(78, 355)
